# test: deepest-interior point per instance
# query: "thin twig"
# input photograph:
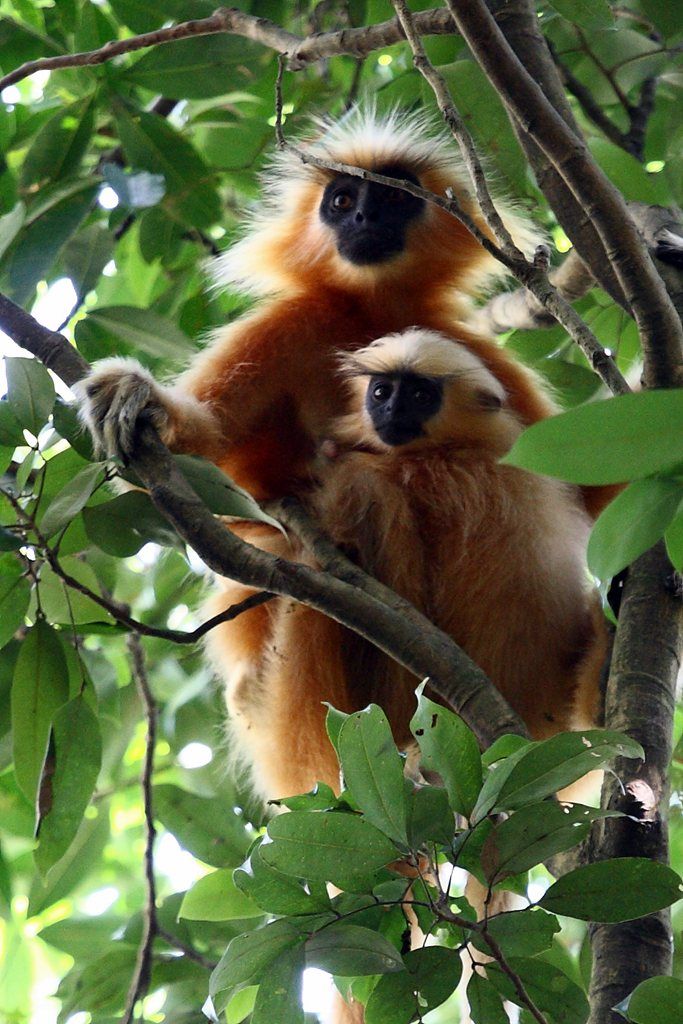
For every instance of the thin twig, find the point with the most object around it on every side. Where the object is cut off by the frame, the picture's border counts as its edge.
(357, 42)
(459, 130)
(143, 967)
(117, 611)
(446, 914)
(189, 951)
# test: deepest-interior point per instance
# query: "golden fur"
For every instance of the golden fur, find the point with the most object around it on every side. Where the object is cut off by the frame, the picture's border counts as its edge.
(493, 555)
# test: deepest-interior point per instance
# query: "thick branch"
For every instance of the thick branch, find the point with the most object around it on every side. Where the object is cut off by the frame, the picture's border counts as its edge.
(640, 701)
(416, 644)
(659, 326)
(662, 231)
(522, 28)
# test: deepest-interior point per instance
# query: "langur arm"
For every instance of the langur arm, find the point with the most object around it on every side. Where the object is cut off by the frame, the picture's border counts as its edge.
(213, 404)
(120, 394)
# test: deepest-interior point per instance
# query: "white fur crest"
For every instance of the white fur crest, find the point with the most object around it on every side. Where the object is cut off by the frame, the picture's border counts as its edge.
(423, 352)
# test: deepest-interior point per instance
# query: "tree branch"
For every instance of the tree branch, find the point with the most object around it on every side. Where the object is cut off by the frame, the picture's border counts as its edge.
(356, 42)
(175, 636)
(143, 967)
(659, 326)
(640, 701)
(416, 644)
(520, 310)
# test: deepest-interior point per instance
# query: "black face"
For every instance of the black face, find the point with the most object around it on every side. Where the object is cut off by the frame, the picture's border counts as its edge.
(400, 404)
(369, 220)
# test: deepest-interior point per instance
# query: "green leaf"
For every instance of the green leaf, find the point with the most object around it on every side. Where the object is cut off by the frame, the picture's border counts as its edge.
(350, 950)
(82, 937)
(655, 1001)
(229, 143)
(609, 442)
(136, 190)
(241, 1005)
(430, 816)
(503, 747)
(533, 834)
(193, 68)
(61, 603)
(373, 771)
(40, 686)
(480, 106)
(534, 773)
(216, 898)
(99, 985)
(76, 757)
(219, 493)
(326, 846)
(138, 15)
(83, 857)
(520, 932)
(127, 522)
(590, 14)
(486, 1005)
(141, 329)
(52, 222)
(279, 997)
(628, 173)
(249, 956)
(334, 720)
(620, 889)
(273, 891)
(10, 225)
(8, 542)
(85, 256)
(551, 990)
(571, 384)
(632, 524)
(451, 749)
(67, 424)
(217, 839)
(71, 499)
(30, 392)
(151, 144)
(11, 431)
(59, 146)
(674, 541)
(431, 975)
(16, 974)
(320, 798)
(15, 592)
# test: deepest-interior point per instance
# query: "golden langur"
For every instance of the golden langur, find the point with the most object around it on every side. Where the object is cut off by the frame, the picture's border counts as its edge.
(492, 554)
(334, 262)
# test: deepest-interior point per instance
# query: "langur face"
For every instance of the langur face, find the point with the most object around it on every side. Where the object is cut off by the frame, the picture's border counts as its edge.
(370, 220)
(400, 404)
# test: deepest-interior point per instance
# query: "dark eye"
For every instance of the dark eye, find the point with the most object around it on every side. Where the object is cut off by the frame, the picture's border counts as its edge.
(342, 201)
(380, 392)
(396, 195)
(422, 395)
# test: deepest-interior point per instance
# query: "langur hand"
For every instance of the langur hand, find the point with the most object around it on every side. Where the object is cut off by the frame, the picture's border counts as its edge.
(116, 398)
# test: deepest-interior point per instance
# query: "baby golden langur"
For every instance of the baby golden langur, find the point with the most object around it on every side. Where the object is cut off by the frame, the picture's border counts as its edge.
(493, 555)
